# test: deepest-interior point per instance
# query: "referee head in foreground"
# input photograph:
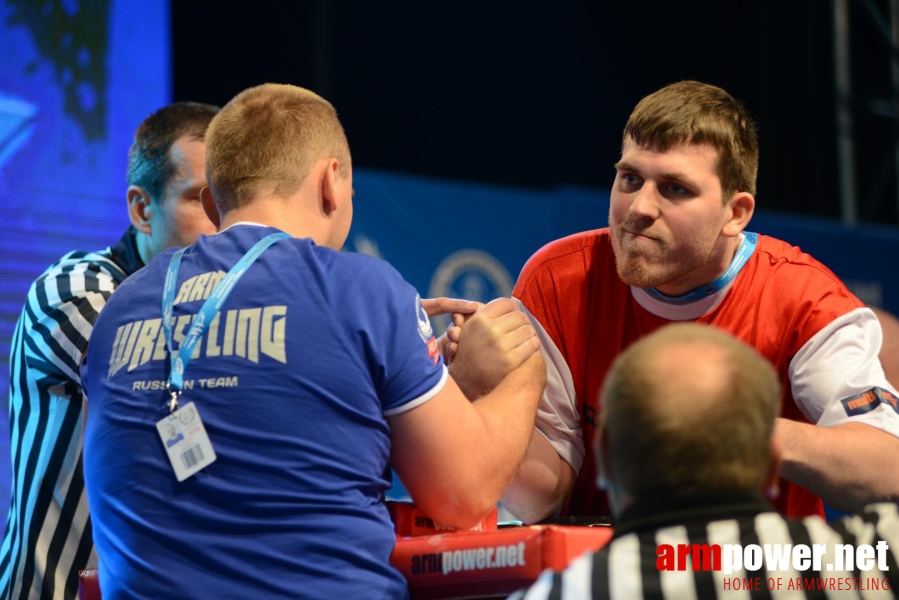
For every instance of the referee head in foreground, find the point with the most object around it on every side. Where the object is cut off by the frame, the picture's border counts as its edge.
(686, 453)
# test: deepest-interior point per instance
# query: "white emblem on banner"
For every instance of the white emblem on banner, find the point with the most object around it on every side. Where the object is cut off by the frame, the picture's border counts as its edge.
(471, 274)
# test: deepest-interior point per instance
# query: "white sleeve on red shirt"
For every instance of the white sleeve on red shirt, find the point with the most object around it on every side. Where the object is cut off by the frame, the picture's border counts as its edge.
(558, 419)
(840, 362)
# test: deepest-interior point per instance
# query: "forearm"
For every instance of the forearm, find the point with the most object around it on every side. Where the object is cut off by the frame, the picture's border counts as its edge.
(508, 415)
(542, 484)
(847, 466)
(457, 457)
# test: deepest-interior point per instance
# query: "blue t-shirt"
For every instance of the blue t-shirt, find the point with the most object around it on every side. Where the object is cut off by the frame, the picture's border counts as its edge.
(292, 380)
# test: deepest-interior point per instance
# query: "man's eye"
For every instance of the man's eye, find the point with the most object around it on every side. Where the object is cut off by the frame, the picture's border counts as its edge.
(677, 190)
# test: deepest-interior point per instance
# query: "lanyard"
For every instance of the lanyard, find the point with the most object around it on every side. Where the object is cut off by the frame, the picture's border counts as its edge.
(743, 253)
(207, 313)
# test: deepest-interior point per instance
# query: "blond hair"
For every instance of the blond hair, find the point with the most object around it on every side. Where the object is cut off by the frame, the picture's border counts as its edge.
(690, 112)
(707, 427)
(265, 141)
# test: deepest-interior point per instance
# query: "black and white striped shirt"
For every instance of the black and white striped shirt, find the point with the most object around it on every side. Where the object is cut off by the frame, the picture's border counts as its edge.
(627, 569)
(48, 532)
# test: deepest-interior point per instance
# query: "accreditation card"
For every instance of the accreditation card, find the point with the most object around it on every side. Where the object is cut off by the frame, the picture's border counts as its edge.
(186, 441)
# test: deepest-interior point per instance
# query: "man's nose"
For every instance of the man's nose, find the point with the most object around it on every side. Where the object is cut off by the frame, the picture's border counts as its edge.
(645, 202)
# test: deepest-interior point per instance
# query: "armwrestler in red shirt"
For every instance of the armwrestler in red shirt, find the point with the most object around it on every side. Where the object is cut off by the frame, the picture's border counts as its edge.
(676, 249)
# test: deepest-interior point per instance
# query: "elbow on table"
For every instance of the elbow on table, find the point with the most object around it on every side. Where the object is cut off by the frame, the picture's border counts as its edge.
(457, 510)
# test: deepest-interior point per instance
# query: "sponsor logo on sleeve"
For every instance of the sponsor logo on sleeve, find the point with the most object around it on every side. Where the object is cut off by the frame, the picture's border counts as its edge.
(865, 402)
(889, 399)
(433, 350)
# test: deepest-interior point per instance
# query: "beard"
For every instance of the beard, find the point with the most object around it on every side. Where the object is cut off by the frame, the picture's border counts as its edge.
(650, 264)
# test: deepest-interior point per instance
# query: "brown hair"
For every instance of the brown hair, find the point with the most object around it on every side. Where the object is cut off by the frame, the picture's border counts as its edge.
(265, 140)
(675, 424)
(698, 113)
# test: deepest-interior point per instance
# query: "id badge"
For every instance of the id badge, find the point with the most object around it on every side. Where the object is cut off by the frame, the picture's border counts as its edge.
(185, 441)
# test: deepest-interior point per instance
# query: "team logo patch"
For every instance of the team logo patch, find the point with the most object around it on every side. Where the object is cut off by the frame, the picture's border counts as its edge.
(868, 401)
(424, 322)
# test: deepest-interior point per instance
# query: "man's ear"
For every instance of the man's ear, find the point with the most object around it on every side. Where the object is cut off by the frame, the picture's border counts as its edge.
(330, 186)
(741, 207)
(772, 477)
(209, 207)
(140, 208)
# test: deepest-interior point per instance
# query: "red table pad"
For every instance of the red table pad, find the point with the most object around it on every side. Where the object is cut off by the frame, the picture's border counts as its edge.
(473, 564)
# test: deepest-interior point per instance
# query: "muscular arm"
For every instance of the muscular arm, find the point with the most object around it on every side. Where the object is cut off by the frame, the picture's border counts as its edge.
(543, 482)
(456, 457)
(851, 456)
(848, 466)
(545, 479)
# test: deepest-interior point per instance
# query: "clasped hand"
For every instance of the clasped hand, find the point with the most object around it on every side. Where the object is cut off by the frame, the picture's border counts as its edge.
(498, 339)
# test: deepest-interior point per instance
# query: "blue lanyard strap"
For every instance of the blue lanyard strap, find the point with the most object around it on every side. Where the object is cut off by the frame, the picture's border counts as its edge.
(207, 313)
(746, 249)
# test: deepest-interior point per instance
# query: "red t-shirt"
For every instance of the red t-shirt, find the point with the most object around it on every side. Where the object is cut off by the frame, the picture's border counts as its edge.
(778, 302)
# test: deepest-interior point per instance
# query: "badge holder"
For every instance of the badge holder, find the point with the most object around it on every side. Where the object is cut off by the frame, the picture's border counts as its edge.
(184, 437)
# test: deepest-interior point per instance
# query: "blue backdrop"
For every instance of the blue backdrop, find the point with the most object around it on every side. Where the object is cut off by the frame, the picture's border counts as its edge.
(76, 79)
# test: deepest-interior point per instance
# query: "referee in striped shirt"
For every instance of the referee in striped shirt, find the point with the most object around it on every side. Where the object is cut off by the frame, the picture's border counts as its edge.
(685, 449)
(48, 530)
